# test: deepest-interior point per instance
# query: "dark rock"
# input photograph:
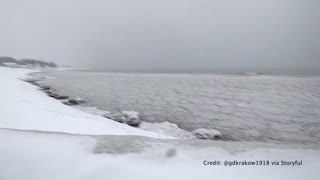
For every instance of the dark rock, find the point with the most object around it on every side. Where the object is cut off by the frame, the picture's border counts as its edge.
(60, 97)
(45, 87)
(32, 81)
(55, 95)
(66, 102)
(74, 101)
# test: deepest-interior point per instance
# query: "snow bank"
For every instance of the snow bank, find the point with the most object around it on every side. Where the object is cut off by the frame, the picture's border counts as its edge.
(36, 156)
(24, 107)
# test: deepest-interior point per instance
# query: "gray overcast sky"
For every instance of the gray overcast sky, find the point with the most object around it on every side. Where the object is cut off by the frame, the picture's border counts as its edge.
(175, 34)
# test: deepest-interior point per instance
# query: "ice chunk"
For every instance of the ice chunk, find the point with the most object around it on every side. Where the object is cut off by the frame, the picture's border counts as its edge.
(131, 118)
(119, 117)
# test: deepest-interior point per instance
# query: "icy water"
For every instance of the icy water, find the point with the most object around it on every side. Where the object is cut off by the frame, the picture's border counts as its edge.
(283, 109)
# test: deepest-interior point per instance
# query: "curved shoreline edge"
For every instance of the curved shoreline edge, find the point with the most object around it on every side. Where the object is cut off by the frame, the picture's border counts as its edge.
(131, 118)
(27, 108)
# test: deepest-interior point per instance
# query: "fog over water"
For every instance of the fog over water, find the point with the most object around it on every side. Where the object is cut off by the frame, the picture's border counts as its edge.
(168, 35)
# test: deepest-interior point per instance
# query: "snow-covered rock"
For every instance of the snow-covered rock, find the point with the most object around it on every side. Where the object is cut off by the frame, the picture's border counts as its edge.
(118, 117)
(203, 133)
(132, 118)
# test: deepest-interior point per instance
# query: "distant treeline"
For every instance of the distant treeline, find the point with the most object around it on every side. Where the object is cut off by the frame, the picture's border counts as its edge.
(4, 61)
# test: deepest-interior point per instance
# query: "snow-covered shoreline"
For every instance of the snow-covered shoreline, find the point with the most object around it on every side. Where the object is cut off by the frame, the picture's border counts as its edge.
(29, 109)
(44, 139)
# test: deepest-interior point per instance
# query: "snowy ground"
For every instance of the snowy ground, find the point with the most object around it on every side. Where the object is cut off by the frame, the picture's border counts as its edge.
(44, 139)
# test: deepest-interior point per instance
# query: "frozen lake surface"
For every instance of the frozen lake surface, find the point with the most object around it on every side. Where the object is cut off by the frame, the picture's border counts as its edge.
(283, 109)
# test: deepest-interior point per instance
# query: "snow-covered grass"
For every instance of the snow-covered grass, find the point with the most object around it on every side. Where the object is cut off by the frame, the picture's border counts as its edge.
(31, 148)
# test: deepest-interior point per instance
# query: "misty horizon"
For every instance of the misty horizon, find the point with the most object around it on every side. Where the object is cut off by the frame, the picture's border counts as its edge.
(265, 70)
(164, 35)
